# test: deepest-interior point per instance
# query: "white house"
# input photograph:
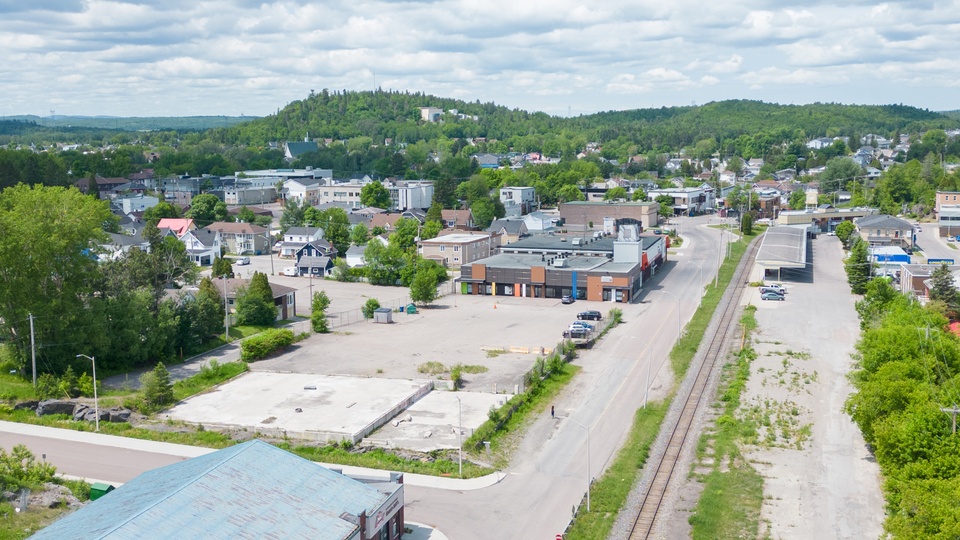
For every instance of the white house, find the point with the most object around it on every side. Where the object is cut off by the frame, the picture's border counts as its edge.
(521, 198)
(302, 190)
(203, 245)
(137, 203)
(297, 237)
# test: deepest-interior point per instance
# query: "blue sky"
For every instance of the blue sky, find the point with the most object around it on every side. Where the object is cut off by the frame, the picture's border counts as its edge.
(233, 57)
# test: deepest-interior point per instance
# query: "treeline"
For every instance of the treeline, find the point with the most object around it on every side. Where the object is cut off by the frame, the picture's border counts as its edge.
(117, 311)
(908, 372)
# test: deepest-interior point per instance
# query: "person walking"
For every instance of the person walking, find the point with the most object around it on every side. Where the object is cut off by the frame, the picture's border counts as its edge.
(551, 412)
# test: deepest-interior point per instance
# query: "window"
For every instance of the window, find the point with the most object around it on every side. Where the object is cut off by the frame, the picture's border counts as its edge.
(456, 248)
(443, 248)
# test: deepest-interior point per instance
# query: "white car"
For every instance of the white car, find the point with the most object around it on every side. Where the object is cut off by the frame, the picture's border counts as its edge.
(290, 271)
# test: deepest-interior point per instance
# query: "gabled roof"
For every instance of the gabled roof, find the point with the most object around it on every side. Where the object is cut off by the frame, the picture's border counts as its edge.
(206, 237)
(883, 221)
(251, 490)
(224, 227)
(459, 217)
(315, 262)
(295, 149)
(386, 221)
(232, 284)
(509, 226)
(302, 231)
(178, 225)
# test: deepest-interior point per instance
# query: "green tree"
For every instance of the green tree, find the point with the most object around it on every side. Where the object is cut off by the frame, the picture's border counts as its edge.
(318, 312)
(944, 289)
(666, 205)
(255, 305)
(206, 209)
(435, 212)
(569, 193)
(246, 215)
(335, 225)
(423, 289)
(838, 172)
(48, 238)
(615, 194)
(858, 266)
(746, 224)
(405, 233)
(157, 388)
(639, 195)
(845, 231)
(374, 194)
(207, 317)
(798, 199)
(294, 214)
(431, 230)
(485, 210)
(371, 305)
(162, 210)
(221, 267)
(359, 234)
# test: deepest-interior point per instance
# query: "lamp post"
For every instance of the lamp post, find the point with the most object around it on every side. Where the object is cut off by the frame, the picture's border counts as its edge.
(460, 433)
(646, 386)
(588, 458)
(226, 312)
(96, 400)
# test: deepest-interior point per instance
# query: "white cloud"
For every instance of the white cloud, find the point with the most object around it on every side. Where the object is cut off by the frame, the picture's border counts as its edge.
(227, 56)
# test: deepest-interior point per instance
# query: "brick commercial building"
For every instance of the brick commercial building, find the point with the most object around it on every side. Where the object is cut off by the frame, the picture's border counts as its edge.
(586, 212)
(605, 270)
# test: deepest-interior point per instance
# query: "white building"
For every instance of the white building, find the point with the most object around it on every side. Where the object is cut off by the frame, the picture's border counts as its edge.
(137, 203)
(518, 198)
(430, 114)
(413, 195)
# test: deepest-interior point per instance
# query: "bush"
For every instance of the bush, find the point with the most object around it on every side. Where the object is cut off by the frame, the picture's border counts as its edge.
(265, 343)
(368, 308)
(456, 375)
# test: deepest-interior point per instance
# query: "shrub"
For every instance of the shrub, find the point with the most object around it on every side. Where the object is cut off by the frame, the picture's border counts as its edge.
(265, 343)
(369, 307)
(456, 375)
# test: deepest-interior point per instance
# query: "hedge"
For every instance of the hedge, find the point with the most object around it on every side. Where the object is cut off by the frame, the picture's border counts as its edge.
(265, 343)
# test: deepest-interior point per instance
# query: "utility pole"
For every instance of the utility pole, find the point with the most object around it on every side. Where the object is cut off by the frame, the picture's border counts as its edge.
(33, 353)
(226, 311)
(953, 413)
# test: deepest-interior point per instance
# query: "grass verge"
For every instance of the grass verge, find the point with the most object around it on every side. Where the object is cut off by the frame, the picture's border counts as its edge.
(729, 506)
(436, 465)
(615, 484)
(210, 375)
(611, 489)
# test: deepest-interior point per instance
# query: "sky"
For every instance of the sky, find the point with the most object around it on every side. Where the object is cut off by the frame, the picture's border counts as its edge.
(562, 57)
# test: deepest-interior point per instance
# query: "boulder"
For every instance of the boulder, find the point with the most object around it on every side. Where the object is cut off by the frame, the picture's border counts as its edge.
(117, 414)
(32, 405)
(80, 411)
(55, 406)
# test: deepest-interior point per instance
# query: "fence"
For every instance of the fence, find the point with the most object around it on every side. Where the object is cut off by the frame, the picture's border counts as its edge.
(353, 316)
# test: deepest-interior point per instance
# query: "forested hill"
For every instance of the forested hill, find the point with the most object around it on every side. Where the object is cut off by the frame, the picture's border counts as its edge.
(396, 115)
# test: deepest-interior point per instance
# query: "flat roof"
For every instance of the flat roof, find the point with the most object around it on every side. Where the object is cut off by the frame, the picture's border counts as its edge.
(457, 238)
(548, 242)
(783, 247)
(524, 261)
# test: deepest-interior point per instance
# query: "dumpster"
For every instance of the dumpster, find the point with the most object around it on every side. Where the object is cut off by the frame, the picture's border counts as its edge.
(99, 489)
(411, 309)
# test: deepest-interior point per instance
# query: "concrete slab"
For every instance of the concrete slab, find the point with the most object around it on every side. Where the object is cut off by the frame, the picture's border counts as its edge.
(431, 423)
(330, 408)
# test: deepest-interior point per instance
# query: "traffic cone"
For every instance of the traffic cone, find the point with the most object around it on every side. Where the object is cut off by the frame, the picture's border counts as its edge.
(494, 305)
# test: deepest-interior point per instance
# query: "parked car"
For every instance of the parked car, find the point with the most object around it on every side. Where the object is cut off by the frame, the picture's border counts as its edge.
(591, 315)
(581, 324)
(290, 271)
(577, 333)
(773, 288)
(771, 296)
(241, 261)
(567, 299)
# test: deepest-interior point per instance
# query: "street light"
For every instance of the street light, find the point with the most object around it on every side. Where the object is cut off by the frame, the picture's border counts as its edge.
(96, 400)
(588, 458)
(226, 312)
(646, 386)
(460, 433)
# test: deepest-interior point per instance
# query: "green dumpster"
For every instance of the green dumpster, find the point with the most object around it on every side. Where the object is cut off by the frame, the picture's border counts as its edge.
(99, 489)
(411, 309)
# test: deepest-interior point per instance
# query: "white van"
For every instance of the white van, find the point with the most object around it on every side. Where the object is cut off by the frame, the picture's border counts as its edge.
(241, 261)
(290, 271)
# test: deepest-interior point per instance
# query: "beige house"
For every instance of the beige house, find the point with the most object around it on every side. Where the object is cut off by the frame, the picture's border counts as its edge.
(459, 248)
(243, 238)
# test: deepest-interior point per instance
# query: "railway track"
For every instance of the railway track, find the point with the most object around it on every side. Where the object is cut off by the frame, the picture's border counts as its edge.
(680, 430)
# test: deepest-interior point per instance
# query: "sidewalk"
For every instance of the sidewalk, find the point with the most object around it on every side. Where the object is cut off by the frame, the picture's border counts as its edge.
(186, 451)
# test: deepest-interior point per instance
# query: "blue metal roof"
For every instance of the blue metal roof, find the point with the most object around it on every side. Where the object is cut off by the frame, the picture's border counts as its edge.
(251, 490)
